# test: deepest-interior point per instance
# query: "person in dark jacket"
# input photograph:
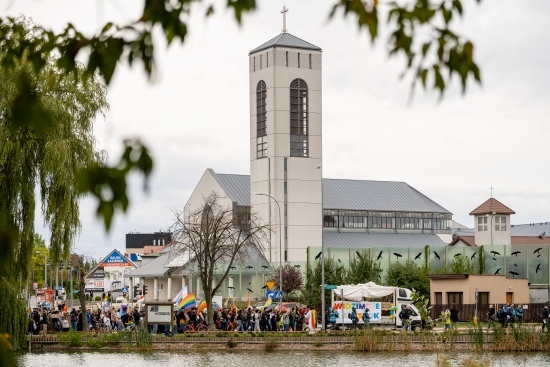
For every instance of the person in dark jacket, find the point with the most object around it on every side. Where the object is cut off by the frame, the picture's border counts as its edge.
(454, 316)
(501, 316)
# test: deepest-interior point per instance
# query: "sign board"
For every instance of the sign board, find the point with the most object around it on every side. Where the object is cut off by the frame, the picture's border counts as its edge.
(115, 259)
(344, 309)
(99, 273)
(159, 313)
(270, 285)
(274, 294)
(330, 286)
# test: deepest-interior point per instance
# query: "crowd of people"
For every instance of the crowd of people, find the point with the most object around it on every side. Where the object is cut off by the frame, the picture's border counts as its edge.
(61, 319)
(506, 315)
(244, 320)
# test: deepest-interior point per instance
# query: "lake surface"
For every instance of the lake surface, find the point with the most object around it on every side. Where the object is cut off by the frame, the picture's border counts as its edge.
(272, 359)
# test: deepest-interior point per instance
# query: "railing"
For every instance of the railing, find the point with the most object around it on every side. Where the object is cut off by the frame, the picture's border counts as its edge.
(531, 311)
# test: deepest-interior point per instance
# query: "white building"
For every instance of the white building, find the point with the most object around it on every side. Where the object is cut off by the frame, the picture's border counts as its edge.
(286, 162)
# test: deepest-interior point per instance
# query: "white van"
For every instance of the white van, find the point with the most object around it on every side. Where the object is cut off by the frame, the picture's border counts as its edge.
(377, 299)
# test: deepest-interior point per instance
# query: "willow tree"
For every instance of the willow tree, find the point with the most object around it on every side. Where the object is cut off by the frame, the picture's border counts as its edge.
(46, 138)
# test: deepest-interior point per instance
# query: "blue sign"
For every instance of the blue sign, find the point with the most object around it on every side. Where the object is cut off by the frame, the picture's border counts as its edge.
(274, 294)
(125, 290)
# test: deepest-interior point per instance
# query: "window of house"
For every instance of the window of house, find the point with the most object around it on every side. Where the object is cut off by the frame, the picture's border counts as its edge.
(261, 120)
(298, 118)
(483, 298)
(500, 223)
(481, 224)
(287, 58)
(310, 61)
(438, 298)
(454, 297)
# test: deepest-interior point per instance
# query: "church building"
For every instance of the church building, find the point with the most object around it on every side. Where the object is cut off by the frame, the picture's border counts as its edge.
(286, 188)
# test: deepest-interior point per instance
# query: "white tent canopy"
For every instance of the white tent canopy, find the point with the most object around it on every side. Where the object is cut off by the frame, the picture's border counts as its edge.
(358, 292)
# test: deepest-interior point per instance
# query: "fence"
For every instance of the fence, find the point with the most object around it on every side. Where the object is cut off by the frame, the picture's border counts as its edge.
(531, 311)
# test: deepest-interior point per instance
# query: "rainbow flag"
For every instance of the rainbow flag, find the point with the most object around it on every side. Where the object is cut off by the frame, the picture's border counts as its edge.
(268, 303)
(202, 305)
(187, 302)
(182, 294)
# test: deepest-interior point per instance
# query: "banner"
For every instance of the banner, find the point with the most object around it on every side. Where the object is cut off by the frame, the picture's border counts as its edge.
(375, 311)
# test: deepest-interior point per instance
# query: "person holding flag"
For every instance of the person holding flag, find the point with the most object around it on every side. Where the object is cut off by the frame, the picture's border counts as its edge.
(311, 316)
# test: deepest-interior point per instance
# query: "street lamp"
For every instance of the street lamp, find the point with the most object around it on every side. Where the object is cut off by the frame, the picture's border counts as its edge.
(280, 245)
(322, 254)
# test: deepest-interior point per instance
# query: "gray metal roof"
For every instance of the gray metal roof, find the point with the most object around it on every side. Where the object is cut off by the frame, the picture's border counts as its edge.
(153, 268)
(347, 194)
(367, 240)
(237, 187)
(530, 229)
(464, 231)
(376, 195)
(286, 40)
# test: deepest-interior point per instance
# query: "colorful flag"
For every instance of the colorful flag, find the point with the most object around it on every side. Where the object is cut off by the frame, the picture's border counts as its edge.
(202, 305)
(268, 303)
(187, 302)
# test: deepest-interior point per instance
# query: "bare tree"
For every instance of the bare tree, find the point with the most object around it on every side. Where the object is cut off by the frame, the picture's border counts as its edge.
(292, 279)
(217, 236)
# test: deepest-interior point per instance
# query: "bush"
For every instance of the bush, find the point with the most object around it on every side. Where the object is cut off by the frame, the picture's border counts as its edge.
(71, 338)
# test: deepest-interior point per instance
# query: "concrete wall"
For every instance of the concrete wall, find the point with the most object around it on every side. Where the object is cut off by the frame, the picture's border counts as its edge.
(496, 285)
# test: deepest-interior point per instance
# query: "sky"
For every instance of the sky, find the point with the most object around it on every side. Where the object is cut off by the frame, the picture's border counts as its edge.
(194, 114)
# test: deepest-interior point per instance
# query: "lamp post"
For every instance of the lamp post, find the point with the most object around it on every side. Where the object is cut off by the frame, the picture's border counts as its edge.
(322, 255)
(280, 245)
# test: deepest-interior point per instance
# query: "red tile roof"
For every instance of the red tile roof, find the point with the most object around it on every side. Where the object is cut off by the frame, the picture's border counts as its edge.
(492, 206)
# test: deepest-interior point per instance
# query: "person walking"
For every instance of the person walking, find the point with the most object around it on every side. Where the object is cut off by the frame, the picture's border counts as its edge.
(491, 316)
(332, 316)
(353, 317)
(366, 318)
(545, 314)
(454, 316)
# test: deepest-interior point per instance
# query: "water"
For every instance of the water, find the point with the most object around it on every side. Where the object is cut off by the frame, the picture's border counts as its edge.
(272, 359)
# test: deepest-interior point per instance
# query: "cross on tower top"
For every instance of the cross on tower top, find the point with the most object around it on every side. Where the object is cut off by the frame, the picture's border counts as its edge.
(284, 18)
(491, 188)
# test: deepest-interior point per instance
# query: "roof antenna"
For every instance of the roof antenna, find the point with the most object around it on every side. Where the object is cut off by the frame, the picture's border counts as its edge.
(284, 18)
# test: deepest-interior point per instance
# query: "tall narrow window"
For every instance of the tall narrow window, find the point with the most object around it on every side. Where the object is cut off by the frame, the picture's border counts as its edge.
(254, 63)
(287, 59)
(310, 61)
(260, 61)
(298, 118)
(261, 120)
(298, 60)
(267, 60)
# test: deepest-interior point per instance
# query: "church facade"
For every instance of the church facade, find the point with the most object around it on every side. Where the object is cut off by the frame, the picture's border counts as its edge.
(285, 187)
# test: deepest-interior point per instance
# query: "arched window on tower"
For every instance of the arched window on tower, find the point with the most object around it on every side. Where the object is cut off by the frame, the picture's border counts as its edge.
(261, 120)
(298, 119)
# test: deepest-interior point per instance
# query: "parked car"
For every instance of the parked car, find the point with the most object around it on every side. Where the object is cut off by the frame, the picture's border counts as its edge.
(287, 306)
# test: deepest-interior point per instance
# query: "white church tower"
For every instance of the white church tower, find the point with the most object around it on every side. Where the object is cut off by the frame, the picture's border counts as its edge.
(286, 144)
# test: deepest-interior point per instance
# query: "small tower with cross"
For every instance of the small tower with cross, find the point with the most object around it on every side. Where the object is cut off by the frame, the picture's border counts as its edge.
(492, 222)
(286, 142)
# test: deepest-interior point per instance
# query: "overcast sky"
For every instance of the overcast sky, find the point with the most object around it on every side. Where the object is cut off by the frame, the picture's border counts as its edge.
(195, 114)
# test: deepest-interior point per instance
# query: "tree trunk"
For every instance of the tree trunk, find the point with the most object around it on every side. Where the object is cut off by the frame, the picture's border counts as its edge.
(82, 298)
(209, 308)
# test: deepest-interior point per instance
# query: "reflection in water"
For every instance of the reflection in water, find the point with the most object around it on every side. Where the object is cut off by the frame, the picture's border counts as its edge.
(259, 358)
